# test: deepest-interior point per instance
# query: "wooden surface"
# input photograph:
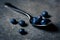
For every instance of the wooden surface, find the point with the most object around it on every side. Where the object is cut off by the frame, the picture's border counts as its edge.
(9, 31)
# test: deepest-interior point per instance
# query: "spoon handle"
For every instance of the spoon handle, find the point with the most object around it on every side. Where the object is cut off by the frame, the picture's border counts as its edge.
(9, 5)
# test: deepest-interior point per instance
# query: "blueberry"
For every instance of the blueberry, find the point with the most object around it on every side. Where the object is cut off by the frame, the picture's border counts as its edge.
(45, 14)
(22, 31)
(45, 21)
(39, 18)
(22, 23)
(34, 20)
(13, 21)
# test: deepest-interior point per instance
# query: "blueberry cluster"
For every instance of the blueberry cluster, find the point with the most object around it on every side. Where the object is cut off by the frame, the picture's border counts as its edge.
(43, 19)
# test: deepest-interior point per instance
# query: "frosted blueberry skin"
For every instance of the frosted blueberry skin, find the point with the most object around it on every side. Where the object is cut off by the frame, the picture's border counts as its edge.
(45, 21)
(34, 20)
(45, 14)
(13, 21)
(22, 31)
(22, 23)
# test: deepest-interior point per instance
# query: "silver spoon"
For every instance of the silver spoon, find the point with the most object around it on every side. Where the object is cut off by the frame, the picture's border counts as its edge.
(10, 6)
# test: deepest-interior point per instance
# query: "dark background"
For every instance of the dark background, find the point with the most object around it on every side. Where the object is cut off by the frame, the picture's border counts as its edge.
(9, 31)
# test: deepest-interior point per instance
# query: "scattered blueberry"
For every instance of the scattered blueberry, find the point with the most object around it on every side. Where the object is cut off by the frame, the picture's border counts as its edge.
(13, 21)
(22, 31)
(22, 23)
